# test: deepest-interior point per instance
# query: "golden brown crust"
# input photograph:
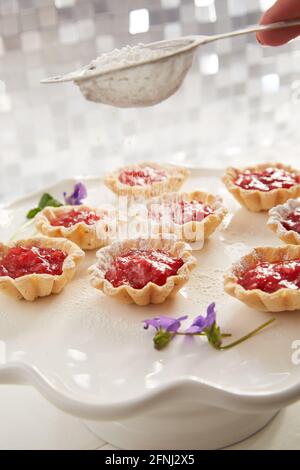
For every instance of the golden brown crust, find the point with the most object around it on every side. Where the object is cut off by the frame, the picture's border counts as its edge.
(87, 237)
(174, 181)
(192, 231)
(277, 215)
(255, 200)
(32, 286)
(151, 293)
(279, 301)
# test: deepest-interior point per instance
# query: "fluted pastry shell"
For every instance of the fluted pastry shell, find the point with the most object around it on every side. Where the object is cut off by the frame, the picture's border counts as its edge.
(173, 182)
(256, 200)
(87, 237)
(281, 300)
(194, 231)
(32, 286)
(151, 292)
(277, 215)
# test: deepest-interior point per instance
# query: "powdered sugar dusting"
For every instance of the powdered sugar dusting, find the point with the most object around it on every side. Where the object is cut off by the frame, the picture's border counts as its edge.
(127, 55)
(210, 283)
(106, 255)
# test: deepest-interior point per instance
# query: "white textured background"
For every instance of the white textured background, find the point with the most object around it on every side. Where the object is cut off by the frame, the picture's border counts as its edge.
(240, 100)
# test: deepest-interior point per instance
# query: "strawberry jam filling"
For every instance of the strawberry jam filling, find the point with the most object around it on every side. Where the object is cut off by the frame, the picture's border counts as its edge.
(21, 260)
(138, 267)
(270, 277)
(74, 216)
(266, 180)
(181, 212)
(142, 177)
(292, 221)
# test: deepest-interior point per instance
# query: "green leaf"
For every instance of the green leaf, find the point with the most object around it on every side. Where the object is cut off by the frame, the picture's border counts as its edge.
(46, 200)
(32, 213)
(162, 339)
(53, 203)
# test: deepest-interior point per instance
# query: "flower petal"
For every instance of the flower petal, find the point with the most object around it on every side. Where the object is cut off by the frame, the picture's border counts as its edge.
(211, 315)
(151, 322)
(200, 323)
(173, 326)
(165, 323)
(76, 198)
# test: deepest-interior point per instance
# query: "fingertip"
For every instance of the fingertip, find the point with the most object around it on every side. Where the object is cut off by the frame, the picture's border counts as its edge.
(277, 37)
(280, 11)
(259, 39)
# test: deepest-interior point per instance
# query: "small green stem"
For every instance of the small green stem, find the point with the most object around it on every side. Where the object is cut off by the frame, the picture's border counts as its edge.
(224, 335)
(249, 335)
(189, 334)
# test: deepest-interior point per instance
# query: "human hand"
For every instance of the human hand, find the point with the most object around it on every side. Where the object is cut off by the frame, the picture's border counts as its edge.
(280, 11)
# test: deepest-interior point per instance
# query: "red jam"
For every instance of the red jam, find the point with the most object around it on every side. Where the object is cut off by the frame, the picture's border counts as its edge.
(21, 260)
(142, 177)
(74, 216)
(181, 212)
(266, 180)
(292, 221)
(270, 277)
(138, 267)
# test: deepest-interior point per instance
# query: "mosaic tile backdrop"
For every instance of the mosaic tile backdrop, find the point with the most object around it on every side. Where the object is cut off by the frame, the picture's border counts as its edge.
(240, 101)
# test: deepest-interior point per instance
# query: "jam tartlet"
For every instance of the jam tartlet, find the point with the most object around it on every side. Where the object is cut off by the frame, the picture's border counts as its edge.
(37, 267)
(267, 279)
(284, 220)
(190, 216)
(87, 227)
(142, 271)
(261, 187)
(146, 180)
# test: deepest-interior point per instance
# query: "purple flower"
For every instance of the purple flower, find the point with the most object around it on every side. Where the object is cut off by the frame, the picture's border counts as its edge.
(202, 323)
(76, 198)
(165, 323)
(166, 328)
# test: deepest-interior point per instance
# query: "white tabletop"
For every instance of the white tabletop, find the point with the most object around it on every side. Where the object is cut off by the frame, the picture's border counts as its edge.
(28, 421)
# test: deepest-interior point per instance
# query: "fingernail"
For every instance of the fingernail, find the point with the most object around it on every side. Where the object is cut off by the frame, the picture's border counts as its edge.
(259, 40)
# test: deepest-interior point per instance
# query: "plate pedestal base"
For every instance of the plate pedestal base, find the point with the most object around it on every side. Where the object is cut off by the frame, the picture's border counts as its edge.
(200, 428)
